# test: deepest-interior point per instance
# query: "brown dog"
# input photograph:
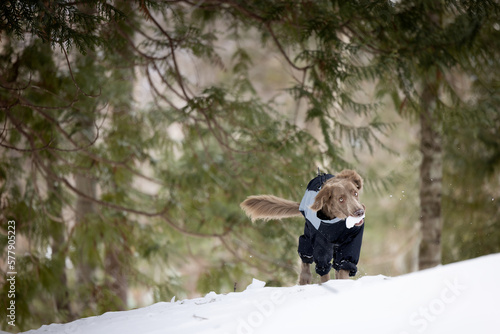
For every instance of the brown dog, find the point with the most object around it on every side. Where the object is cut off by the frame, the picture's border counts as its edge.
(329, 200)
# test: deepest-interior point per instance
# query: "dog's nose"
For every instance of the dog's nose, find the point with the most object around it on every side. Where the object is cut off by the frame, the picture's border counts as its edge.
(359, 213)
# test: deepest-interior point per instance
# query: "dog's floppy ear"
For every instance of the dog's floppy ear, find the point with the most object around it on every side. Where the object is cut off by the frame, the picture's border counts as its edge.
(351, 176)
(322, 197)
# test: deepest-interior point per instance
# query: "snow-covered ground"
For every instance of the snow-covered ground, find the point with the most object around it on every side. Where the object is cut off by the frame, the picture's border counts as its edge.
(457, 298)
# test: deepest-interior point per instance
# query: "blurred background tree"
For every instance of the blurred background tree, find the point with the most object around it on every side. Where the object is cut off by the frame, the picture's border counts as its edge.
(133, 130)
(432, 51)
(72, 146)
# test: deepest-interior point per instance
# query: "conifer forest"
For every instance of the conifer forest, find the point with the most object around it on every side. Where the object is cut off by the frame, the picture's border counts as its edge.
(130, 132)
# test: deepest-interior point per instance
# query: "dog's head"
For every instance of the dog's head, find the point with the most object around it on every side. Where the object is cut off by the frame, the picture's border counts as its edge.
(339, 196)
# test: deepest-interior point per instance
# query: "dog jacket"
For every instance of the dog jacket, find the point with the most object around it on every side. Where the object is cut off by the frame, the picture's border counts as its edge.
(327, 239)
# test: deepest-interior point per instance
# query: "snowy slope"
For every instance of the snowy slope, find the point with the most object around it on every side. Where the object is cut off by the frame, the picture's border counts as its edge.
(457, 298)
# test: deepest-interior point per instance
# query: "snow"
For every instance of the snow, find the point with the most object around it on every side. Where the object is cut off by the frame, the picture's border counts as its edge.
(456, 298)
(351, 221)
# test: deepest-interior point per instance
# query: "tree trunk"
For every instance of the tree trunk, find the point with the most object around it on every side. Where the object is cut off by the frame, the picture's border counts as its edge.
(116, 253)
(431, 171)
(84, 211)
(119, 284)
(84, 208)
(62, 299)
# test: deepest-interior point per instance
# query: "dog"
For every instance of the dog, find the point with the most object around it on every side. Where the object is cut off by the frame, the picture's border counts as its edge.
(334, 223)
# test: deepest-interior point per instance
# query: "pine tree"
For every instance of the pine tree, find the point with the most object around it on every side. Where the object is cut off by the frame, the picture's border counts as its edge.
(472, 151)
(422, 45)
(54, 104)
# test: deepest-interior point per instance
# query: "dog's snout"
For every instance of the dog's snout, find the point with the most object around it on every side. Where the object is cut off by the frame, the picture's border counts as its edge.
(359, 213)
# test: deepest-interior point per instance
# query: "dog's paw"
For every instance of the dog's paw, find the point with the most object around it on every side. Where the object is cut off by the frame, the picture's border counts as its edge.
(305, 278)
(305, 281)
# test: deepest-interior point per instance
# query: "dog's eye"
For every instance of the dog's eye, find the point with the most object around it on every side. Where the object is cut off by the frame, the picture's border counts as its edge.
(341, 199)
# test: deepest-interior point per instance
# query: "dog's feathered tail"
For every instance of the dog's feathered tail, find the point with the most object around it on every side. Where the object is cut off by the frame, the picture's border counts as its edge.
(269, 207)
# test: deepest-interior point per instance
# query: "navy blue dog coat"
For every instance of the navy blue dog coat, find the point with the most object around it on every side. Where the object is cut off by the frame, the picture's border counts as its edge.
(325, 240)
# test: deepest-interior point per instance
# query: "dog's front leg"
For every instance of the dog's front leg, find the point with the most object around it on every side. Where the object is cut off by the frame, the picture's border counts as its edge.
(341, 274)
(325, 278)
(305, 276)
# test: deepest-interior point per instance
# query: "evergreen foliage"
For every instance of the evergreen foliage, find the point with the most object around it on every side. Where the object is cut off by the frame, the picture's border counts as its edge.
(58, 22)
(473, 156)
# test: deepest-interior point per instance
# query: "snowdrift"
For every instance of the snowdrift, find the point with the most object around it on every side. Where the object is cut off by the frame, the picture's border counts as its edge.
(457, 298)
